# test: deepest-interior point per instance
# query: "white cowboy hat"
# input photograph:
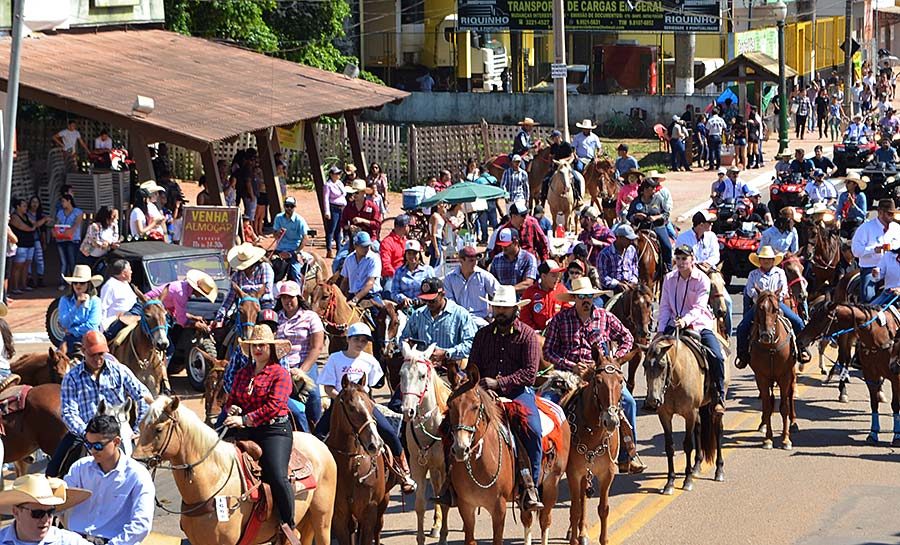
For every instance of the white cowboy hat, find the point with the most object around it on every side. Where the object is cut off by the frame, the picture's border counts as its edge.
(580, 286)
(203, 283)
(244, 255)
(817, 208)
(655, 175)
(586, 124)
(528, 121)
(861, 181)
(43, 490)
(262, 334)
(766, 252)
(150, 186)
(82, 273)
(505, 296)
(357, 185)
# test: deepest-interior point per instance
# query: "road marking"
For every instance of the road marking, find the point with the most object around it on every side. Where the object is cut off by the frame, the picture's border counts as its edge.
(31, 338)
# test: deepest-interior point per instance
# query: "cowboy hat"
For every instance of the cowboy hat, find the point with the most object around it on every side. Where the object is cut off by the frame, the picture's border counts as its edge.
(262, 334)
(817, 208)
(655, 175)
(766, 252)
(505, 296)
(580, 286)
(349, 167)
(150, 186)
(633, 171)
(43, 490)
(244, 255)
(202, 283)
(82, 273)
(586, 124)
(528, 121)
(358, 185)
(860, 181)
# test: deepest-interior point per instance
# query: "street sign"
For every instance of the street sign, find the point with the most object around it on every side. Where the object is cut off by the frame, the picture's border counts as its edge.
(558, 70)
(209, 226)
(854, 46)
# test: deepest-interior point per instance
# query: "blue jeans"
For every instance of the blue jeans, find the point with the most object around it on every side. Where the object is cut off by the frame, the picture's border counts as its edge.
(67, 252)
(386, 283)
(866, 284)
(679, 159)
(665, 246)
(530, 439)
(298, 414)
(715, 150)
(715, 360)
(69, 343)
(629, 407)
(434, 250)
(486, 218)
(729, 310)
(743, 328)
(59, 455)
(883, 299)
(387, 432)
(332, 233)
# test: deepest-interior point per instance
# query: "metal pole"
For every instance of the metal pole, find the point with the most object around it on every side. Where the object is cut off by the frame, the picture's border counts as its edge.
(9, 129)
(782, 94)
(848, 58)
(560, 100)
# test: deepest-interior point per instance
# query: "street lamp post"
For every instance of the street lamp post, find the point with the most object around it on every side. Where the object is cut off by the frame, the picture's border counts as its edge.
(780, 12)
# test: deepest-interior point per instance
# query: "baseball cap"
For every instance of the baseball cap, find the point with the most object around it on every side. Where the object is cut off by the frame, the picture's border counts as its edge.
(625, 231)
(401, 221)
(723, 170)
(684, 249)
(516, 157)
(751, 192)
(507, 236)
(359, 328)
(555, 132)
(818, 172)
(412, 246)
(518, 208)
(703, 216)
(287, 287)
(267, 316)
(590, 212)
(362, 238)
(290, 201)
(335, 170)
(550, 266)
(431, 288)
(468, 251)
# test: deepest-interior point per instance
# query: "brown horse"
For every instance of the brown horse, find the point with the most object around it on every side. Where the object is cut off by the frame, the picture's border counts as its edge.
(336, 313)
(42, 367)
(214, 395)
(594, 414)
(677, 384)
(797, 285)
(199, 458)
(561, 197)
(37, 425)
(650, 270)
(143, 349)
(634, 308)
(876, 350)
(825, 259)
(717, 294)
(364, 478)
(537, 171)
(773, 359)
(600, 183)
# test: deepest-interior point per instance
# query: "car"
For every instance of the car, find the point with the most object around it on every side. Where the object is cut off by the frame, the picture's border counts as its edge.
(155, 263)
(577, 81)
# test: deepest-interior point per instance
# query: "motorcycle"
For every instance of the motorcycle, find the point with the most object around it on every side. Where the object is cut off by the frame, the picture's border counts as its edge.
(883, 182)
(735, 248)
(853, 153)
(787, 189)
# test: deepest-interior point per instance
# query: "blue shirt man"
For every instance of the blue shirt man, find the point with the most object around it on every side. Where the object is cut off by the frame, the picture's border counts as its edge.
(441, 322)
(885, 153)
(361, 271)
(587, 144)
(294, 226)
(625, 162)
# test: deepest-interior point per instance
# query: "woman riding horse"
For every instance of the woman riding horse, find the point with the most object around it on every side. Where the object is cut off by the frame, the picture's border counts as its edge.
(648, 211)
(79, 309)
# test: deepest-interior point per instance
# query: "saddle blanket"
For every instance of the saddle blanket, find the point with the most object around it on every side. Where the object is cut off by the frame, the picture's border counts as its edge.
(12, 400)
(552, 420)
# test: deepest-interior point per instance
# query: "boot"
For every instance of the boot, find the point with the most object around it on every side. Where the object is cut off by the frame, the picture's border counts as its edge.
(531, 501)
(805, 356)
(446, 496)
(407, 485)
(632, 467)
(719, 407)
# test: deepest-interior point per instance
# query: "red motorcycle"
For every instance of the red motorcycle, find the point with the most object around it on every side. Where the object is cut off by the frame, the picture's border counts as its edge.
(735, 248)
(788, 189)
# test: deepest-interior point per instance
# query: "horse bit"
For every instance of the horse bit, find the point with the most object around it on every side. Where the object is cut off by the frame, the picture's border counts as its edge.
(420, 420)
(603, 445)
(473, 429)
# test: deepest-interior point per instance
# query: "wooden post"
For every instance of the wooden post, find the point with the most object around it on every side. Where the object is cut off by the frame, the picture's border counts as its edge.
(267, 164)
(214, 183)
(141, 154)
(355, 144)
(315, 164)
(413, 156)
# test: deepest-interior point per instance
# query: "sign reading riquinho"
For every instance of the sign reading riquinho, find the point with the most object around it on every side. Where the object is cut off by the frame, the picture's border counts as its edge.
(620, 15)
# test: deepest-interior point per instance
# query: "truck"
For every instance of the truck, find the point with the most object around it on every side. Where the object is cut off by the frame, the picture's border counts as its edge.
(624, 68)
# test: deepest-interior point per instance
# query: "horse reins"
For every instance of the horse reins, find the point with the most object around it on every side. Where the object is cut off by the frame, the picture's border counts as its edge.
(356, 456)
(423, 450)
(473, 429)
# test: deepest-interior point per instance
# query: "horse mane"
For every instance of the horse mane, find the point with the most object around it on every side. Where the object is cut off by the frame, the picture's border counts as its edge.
(490, 408)
(442, 391)
(205, 439)
(643, 289)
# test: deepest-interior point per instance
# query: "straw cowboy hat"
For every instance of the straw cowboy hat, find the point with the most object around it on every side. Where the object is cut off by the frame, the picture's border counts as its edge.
(82, 273)
(262, 334)
(150, 186)
(655, 175)
(580, 286)
(586, 124)
(4, 310)
(358, 185)
(820, 209)
(860, 181)
(790, 212)
(203, 283)
(505, 296)
(244, 255)
(528, 121)
(43, 490)
(766, 252)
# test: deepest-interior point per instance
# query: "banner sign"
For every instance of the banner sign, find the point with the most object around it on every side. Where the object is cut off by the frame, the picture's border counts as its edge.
(611, 15)
(209, 226)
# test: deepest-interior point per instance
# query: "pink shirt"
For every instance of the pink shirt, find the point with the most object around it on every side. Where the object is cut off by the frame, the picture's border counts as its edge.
(334, 193)
(627, 193)
(176, 301)
(687, 299)
(298, 329)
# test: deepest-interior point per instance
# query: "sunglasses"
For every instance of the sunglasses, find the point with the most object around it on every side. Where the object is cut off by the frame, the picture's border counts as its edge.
(98, 446)
(40, 513)
(289, 206)
(584, 297)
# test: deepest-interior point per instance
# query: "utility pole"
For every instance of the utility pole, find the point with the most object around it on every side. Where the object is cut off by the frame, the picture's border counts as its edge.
(848, 58)
(685, 44)
(9, 126)
(560, 100)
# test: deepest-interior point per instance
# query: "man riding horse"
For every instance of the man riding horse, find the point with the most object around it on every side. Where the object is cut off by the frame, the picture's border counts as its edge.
(560, 150)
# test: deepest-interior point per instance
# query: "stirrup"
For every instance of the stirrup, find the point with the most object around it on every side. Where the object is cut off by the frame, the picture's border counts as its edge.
(287, 535)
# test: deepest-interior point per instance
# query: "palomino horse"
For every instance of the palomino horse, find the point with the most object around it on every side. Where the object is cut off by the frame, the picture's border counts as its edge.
(634, 308)
(364, 477)
(478, 445)
(42, 367)
(594, 414)
(797, 285)
(424, 396)
(717, 294)
(677, 384)
(200, 459)
(649, 261)
(143, 349)
(824, 260)
(876, 349)
(37, 424)
(772, 358)
(337, 314)
(561, 197)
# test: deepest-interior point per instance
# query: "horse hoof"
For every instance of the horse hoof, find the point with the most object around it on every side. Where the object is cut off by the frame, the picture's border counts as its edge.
(720, 476)
(687, 486)
(844, 398)
(823, 371)
(767, 444)
(787, 445)
(794, 426)
(435, 532)
(583, 540)
(872, 439)
(668, 490)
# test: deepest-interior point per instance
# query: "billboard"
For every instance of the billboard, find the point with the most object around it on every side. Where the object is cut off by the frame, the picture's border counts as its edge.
(611, 15)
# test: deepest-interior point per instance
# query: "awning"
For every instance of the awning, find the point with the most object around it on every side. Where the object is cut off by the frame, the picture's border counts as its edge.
(203, 91)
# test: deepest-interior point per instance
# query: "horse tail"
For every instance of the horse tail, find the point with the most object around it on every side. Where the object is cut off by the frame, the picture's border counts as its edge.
(709, 436)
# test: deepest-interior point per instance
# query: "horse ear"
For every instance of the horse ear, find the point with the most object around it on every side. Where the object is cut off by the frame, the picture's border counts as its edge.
(363, 380)
(164, 293)
(596, 355)
(101, 407)
(261, 291)
(140, 296)
(172, 407)
(625, 358)
(429, 351)
(345, 381)
(474, 373)
(453, 374)
(405, 351)
(51, 355)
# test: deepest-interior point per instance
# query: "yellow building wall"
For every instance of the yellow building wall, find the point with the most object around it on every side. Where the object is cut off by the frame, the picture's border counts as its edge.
(798, 44)
(708, 45)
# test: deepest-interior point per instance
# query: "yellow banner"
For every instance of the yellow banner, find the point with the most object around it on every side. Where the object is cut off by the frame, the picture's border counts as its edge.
(292, 137)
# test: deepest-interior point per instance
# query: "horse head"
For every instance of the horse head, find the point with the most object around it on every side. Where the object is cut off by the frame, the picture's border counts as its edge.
(823, 316)
(323, 298)
(658, 368)
(59, 364)
(793, 270)
(214, 395)
(639, 308)
(126, 415)
(767, 315)
(415, 376)
(605, 382)
(357, 409)
(466, 411)
(247, 309)
(160, 438)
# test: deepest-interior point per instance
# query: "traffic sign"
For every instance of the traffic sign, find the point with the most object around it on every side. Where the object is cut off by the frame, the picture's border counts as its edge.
(854, 46)
(558, 70)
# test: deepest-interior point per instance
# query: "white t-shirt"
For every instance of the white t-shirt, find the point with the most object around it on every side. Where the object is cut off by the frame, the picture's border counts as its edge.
(102, 144)
(339, 365)
(115, 297)
(69, 138)
(137, 215)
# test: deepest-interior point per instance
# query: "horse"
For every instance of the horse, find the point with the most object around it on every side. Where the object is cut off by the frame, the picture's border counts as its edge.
(594, 415)
(561, 197)
(142, 347)
(214, 394)
(772, 359)
(825, 259)
(337, 314)
(537, 171)
(476, 434)
(650, 270)
(37, 423)
(424, 396)
(876, 349)
(199, 459)
(634, 308)
(797, 285)
(364, 478)
(42, 367)
(717, 294)
(677, 384)
(600, 183)
(392, 354)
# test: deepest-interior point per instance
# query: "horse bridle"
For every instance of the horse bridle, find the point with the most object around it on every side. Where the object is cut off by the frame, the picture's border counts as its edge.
(373, 465)
(145, 325)
(756, 323)
(473, 429)
(420, 396)
(239, 323)
(611, 410)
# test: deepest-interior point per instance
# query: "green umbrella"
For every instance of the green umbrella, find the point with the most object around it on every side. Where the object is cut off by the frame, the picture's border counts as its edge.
(465, 192)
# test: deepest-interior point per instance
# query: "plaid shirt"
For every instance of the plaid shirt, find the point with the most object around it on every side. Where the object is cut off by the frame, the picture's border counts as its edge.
(511, 355)
(262, 275)
(510, 273)
(614, 267)
(569, 340)
(531, 238)
(81, 393)
(262, 397)
(597, 231)
(515, 182)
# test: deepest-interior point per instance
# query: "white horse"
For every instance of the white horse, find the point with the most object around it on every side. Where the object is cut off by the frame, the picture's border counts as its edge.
(424, 403)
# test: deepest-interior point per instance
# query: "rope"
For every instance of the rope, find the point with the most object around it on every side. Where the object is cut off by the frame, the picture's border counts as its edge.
(837, 334)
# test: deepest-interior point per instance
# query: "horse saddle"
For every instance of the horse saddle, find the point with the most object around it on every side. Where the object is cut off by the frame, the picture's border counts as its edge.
(119, 340)
(612, 301)
(12, 398)
(552, 419)
(300, 470)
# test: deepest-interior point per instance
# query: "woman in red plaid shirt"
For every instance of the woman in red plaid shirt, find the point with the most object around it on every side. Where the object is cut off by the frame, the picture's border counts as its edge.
(258, 411)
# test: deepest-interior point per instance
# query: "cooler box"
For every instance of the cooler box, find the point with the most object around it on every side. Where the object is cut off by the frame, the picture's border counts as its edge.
(413, 196)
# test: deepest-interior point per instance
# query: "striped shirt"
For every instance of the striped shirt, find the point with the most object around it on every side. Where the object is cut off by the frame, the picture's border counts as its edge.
(452, 330)
(515, 182)
(81, 393)
(262, 275)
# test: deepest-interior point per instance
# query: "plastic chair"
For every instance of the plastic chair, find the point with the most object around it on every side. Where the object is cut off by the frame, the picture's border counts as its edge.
(662, 133)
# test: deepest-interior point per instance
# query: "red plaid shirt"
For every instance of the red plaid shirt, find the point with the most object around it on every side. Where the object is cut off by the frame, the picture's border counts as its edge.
(369, 211)
(531, 238)
(263, 396)
(511, 355)
(569, 340)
